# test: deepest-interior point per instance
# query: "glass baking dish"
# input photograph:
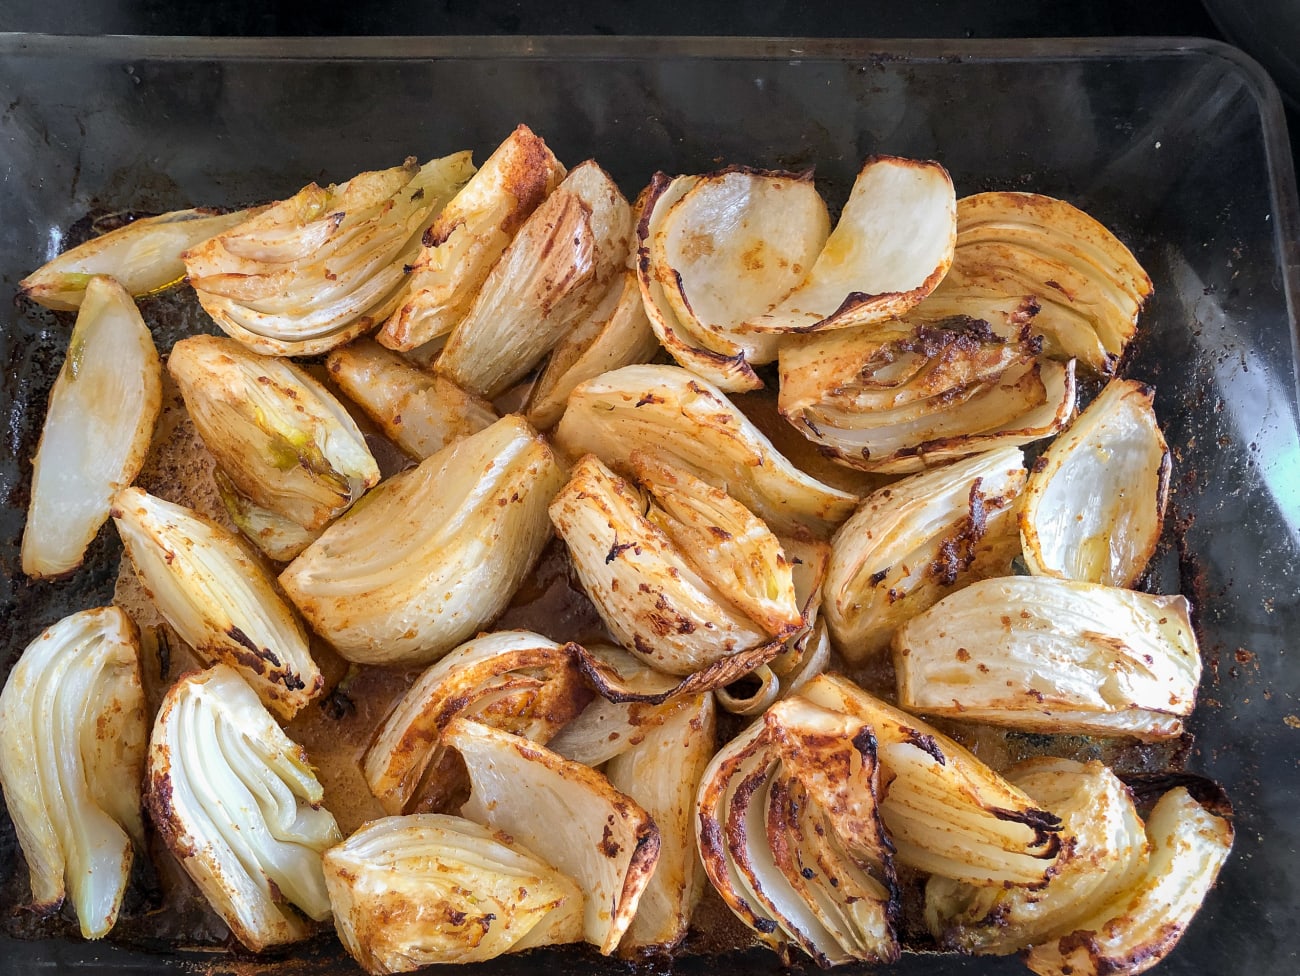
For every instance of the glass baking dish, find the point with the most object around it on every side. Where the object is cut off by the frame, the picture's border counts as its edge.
(1178, 145)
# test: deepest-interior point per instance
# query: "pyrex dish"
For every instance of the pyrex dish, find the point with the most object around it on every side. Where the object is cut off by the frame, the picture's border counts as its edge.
(1179, 146)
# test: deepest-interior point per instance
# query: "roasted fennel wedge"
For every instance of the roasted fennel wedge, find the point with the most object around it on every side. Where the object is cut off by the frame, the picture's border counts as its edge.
(434, 552)
(1095, 501)
(662, 772)
(239, 806)
(1140, 925)
(900, 397)
(1053, 655)
(790, 835)
(326, 265)
(556, 268)
(1109, 853)
(220, 599)
(715, 251)
(568, 814)
(1086, 285)
(615, 333)
(515, 680)
(409, 892)
(673, 416)
(283, 440)
(676, 605)
(910, 544)
(144, 256)
(73, 732)
(419, 412)
(98, 423)
(891, 246)
(463, 244)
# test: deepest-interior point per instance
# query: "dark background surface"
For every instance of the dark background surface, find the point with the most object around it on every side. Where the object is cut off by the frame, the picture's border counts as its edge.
(1248, 27)
(837, 18)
